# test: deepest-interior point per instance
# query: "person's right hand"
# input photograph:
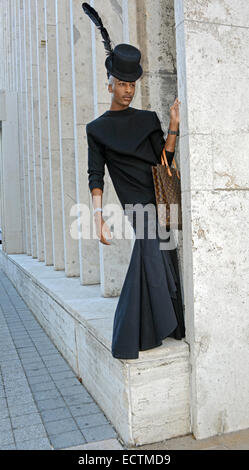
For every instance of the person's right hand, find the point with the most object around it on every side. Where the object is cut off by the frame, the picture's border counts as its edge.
(102, 229)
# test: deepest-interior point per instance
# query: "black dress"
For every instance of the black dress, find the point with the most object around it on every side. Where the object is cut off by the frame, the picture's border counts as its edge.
(150, 305)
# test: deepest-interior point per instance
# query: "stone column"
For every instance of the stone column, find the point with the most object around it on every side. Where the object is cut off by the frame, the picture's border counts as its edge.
(36, 124)
(10, 178)
(14, 42)
(30, 131)
(24, 124)
(17, 10)
(83, 88)
(66, 132)
(2, 51)
(53, 136)
(43, 119)
(9, 45)
(212, 62)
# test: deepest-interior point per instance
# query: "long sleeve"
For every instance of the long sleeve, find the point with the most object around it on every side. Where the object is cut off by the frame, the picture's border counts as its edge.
(158, 141)
(96, 162)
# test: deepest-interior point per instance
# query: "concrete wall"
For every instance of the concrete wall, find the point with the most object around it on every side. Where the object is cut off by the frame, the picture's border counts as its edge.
(212, 63)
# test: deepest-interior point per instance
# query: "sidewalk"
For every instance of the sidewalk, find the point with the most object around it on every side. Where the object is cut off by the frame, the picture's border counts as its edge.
(42, 403)
(44, 406)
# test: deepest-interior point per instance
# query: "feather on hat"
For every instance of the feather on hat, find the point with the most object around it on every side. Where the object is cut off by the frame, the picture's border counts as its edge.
(93, 14)
(122, 61)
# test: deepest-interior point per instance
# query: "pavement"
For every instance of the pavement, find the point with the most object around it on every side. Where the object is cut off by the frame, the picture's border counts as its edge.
(43, 406)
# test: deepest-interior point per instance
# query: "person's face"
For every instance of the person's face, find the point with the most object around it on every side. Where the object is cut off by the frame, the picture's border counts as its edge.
(122, 92)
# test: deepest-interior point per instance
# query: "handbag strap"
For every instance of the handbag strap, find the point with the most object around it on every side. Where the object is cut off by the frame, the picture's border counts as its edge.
(164, 161)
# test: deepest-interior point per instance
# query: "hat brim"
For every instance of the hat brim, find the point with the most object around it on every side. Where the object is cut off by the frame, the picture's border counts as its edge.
(126, 77)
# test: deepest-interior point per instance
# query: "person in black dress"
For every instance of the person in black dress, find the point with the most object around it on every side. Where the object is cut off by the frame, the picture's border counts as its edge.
(128, 141)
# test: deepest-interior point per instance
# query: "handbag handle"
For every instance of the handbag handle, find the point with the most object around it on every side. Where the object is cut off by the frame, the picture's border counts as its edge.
(164, 161)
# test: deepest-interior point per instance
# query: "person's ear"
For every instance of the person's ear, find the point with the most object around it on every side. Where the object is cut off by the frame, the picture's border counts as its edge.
(110, 88)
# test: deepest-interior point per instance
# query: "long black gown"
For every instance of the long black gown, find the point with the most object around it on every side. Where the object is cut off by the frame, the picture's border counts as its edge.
(150, 306)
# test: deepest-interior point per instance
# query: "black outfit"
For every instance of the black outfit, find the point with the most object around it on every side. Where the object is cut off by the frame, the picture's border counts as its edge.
(129, 142)
(150, 306)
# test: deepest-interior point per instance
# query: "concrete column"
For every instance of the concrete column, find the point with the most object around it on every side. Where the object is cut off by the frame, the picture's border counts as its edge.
(83, 102)
(14, 45)
(7, 46)
(212, 64)
(2, 51)
(10, 179)
(5, 42)
(36, 124)
(30, 131)
(43, 124)
(66, 133)
(18, 67)
(25, 130)
(53, 137)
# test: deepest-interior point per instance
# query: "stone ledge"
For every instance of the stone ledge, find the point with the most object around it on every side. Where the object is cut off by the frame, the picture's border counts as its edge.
(146, 399)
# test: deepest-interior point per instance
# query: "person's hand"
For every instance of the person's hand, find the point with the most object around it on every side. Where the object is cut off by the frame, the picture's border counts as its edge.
(102, 229)
(174, 112)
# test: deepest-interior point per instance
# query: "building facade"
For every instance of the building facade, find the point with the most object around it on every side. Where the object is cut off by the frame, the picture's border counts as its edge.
(52, 82)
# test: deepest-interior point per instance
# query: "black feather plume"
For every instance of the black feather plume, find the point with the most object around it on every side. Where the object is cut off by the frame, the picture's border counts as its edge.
(92, 13)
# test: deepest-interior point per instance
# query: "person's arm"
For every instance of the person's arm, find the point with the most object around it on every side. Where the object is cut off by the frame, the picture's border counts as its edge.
(96, 172)
(158, 141)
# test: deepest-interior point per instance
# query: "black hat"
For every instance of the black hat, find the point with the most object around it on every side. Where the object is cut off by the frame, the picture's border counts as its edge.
(122, 61)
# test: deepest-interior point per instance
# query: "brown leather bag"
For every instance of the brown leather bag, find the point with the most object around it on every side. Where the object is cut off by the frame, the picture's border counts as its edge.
(167, 184)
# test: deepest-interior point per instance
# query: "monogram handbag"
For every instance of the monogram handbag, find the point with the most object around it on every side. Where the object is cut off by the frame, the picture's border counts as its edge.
(167, 185)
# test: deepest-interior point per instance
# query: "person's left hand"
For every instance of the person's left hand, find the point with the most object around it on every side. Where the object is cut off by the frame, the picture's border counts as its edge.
(174, 112)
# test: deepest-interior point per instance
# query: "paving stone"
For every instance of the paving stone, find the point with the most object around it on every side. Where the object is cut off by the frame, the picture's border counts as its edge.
(35, 365)
(60, 372)
(67, 439)
(39, 379)
(107, 444)
(12, 384)
(53, 415)
(35, 444)
(36, 372)
(50, 404)
(30, 432)
(9, 447)
(4, 413)
(92, 420)
(46, 355)
(3, 403)
(28, 350)
(12, 366)
(19, 410)
(6, 437)
(24, 399)
(61, 426)
(99, 433)
(79, 399)
(22, 343)
(43, 386)
(28, 356)
(46, 394)
(5, 425)
(67, 382)
(83, 410)
(25, 420)
(22, 389)
(72, 390)
(57, 369)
